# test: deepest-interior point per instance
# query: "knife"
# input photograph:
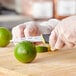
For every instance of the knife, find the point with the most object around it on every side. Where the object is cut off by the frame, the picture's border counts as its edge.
(42, 38)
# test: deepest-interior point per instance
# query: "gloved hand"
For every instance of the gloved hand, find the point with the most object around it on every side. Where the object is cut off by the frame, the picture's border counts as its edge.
(64, 34)
(47, 26)
(52, 23)
(25, 30)
(33, 28)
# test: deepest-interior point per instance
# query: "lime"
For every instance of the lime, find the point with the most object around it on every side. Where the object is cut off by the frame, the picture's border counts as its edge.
(25, 51)
(5, 36)
(41, 49)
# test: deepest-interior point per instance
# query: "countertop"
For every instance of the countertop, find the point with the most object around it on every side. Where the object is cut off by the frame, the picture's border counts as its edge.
(58, 63)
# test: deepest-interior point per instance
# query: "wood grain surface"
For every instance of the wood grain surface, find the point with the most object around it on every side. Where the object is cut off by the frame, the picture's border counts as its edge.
(58, 63)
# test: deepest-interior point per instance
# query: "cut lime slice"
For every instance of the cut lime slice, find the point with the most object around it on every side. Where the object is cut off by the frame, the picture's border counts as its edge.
(41, 49)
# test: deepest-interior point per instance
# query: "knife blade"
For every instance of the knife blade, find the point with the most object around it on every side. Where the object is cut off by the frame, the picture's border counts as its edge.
(42, 38)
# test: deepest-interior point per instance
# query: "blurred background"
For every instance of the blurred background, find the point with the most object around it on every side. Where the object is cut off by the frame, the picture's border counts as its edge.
(14, 12)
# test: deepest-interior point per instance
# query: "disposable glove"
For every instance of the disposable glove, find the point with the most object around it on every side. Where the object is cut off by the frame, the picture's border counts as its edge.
(33, 28)
(64, 34)
(25, 30)
(46, 27)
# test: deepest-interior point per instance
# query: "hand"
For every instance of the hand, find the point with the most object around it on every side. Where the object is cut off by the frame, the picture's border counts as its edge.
(33, 28)
(46, 27)
(64, 34)
(25, 30)
(52, 23)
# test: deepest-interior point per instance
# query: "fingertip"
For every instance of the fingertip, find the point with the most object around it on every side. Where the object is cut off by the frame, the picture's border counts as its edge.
(59, 44)
(69, 44)
(21, 30)
(53, 49)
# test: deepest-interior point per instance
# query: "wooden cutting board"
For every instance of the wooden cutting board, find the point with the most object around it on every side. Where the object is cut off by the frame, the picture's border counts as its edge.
(58, 63)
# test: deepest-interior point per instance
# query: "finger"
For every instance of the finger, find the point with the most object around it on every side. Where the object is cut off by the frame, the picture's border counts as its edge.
(59, 44)
(69, 44)
(21, 31)
(31, 31)
(52, 40)
(26, 33)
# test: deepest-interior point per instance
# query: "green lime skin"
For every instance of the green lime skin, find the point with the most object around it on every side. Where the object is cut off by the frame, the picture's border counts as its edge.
(25, 52)
(41, 49)
(5, 36)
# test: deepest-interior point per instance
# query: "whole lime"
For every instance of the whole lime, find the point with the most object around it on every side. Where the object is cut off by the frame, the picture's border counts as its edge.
(25, 52)
(5, 36)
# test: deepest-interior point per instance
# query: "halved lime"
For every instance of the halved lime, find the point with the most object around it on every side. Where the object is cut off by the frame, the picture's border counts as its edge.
(41, 49)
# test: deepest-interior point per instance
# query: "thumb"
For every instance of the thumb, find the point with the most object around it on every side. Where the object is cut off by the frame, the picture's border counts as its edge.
(52, 40)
